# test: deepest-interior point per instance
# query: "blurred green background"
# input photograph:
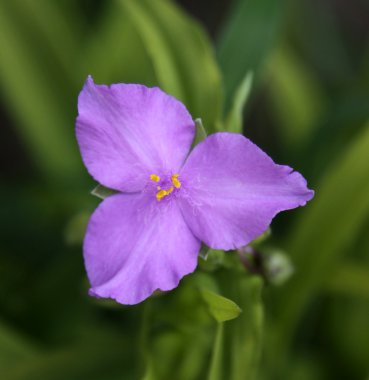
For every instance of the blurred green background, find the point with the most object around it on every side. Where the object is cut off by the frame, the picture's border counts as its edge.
(308, 108)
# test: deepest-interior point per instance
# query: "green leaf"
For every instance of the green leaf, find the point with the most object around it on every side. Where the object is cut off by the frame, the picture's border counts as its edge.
(14, 347)
(235, 115)
(247, 38)
(156, 43)
(237, 349)
(77, 363)
(350, 279)
(329, 226)
(221, 308)
(321, 31)
(115, 51)
(245, 333)
(297, 98)
(181, 56)
(149, 374)
(33, 97)
(58, 32)
(102, 192)
(76, 228)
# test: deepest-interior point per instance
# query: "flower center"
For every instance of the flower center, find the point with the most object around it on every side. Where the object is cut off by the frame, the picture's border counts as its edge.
(162, 193)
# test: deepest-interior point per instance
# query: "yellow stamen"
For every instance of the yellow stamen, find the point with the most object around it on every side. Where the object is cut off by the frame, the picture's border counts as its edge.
(154, 177)
(160, 194)
(163, 193)
(175, 181)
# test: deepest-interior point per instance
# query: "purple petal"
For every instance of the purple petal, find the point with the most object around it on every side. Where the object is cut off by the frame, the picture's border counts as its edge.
(231, 190)
(135, 245)
(127, 132)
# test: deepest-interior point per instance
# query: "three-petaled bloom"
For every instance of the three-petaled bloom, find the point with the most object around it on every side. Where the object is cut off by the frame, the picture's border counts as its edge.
(225, 192)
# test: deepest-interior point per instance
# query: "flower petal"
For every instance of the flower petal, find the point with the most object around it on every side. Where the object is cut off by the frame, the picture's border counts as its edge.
(135, 245)
(231, 190)
(128, 131)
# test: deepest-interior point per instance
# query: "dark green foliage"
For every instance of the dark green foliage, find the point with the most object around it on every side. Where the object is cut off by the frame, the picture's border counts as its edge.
(309, 65)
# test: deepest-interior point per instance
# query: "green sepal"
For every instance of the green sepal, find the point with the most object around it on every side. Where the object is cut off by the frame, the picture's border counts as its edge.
(200, 132)
(102, 192)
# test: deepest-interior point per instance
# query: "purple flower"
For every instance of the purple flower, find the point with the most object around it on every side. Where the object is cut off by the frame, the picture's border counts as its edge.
(225, 192)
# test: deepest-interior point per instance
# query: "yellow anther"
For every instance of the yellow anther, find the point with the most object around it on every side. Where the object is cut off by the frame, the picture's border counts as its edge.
(163, 193)
(160, 194)
(154, 177)
(175, 181)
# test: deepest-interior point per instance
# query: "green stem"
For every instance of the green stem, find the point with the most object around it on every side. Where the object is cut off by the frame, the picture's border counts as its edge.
(216, 365)
(246, 331)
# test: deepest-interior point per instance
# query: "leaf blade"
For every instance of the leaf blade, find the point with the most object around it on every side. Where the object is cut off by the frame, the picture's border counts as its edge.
(247, 38)
(181, 55)
(221, 308)
(234, 120)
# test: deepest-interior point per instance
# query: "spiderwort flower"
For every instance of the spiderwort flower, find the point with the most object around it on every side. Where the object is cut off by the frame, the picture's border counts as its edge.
(136, 140)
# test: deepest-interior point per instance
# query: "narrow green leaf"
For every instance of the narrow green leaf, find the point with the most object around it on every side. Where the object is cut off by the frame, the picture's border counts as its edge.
(57, 31)
(221, 308)
(316, 32)
(157, 46)
(115, 51)
(76, 362)
(13, 347)
(149, 374)
(350, 279)
(247, 38)
(193, 54)
(297, 97)
(235, 115)
(328, 227)
(34, 100)
(192, 360)
(181, 56)
(246, 331)
(76, 228)
(237, 349)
